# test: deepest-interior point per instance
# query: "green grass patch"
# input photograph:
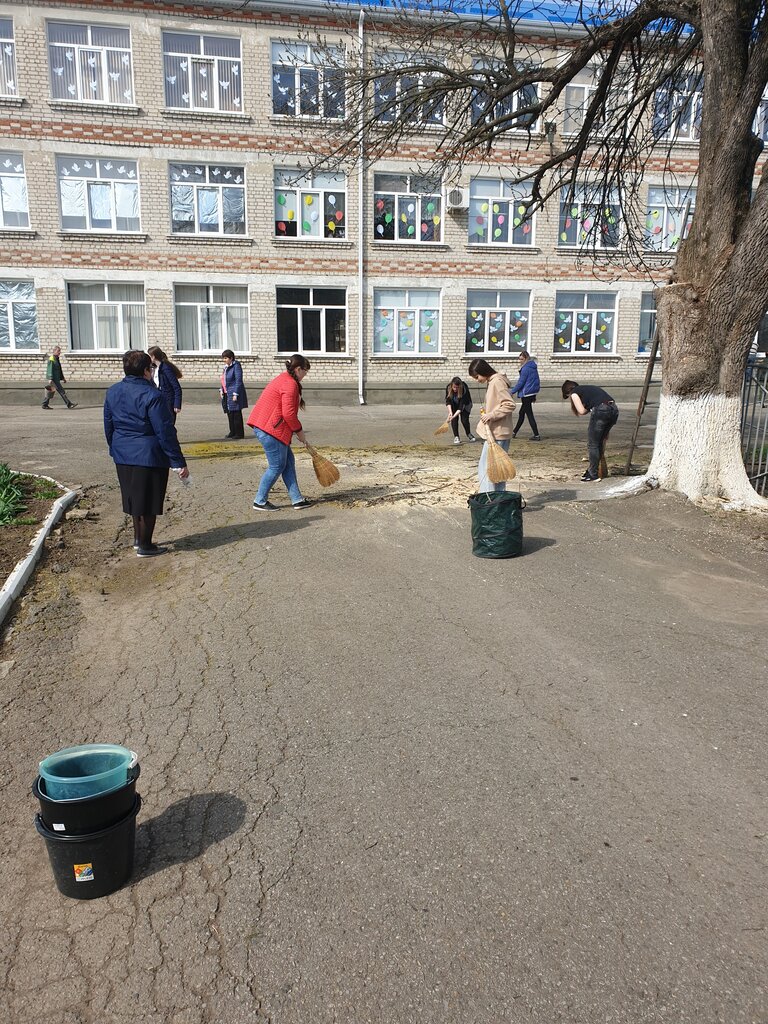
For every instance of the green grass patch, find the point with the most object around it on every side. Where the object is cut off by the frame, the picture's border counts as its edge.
(11, 495)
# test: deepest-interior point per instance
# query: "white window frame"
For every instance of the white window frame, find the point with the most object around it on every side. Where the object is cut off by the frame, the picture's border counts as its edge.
(511, 320)
(303, 309)
(387, 107)
(681, 121)
(105, 305)
(598, 308)
(226, 338)
(760, 126)
(7, 313)
(510, 105)
(13, 171)
(495, 207)
(409, 208)
(301, 61)
(425, 317)
(95, 173)
(221, 73)
(207, 178)
(312, 202)
(81, 57)
(647, 317)
(663, 211)
(9, 83)
(584, 208)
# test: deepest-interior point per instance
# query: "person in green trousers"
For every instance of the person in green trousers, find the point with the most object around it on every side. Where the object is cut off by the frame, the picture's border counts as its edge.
(54, 376)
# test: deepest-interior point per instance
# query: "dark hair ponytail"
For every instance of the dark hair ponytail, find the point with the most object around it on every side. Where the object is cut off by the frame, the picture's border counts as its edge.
(157, 353)
(297, 362)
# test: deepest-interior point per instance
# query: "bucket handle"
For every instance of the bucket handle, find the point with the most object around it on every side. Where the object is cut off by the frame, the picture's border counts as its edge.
(134, 768)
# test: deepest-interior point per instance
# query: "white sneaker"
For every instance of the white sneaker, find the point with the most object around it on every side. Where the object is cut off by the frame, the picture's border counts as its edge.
(456, 440)
(471, 437)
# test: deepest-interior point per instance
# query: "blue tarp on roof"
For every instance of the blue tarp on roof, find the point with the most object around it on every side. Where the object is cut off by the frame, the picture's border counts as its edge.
(549, 12)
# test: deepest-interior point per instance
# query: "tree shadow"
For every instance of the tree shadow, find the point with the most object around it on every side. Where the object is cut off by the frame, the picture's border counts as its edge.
(539, 501)
(183, 831)
(220, 535)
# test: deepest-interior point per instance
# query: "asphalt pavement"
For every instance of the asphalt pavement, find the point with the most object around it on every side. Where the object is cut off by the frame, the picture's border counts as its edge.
(382, 779)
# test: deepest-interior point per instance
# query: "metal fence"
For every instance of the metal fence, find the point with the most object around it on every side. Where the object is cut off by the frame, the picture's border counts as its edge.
(754, 425)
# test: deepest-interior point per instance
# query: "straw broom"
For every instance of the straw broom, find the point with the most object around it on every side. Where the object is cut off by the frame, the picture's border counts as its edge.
(325, 471)
(500, 466)
(443, 428)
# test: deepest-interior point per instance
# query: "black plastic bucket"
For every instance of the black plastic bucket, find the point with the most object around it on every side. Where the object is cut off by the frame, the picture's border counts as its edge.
(84, 815)
(90, 866)
(497, 523)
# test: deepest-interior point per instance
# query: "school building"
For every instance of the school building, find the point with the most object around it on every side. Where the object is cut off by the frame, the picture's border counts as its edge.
(157, 187)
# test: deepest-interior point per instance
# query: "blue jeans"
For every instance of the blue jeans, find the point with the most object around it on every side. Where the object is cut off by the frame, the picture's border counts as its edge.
(484, 482)
(280, 463)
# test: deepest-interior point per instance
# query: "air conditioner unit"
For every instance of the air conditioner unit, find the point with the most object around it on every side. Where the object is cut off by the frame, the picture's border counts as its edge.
(457, 198)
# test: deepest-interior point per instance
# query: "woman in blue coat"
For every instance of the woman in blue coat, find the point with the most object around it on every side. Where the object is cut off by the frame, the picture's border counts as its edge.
(142, 440)
(526, 388)
(233, 392)
(166, 377)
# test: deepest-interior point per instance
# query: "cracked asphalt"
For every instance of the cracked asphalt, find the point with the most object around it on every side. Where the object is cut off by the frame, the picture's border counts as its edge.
(384, 780)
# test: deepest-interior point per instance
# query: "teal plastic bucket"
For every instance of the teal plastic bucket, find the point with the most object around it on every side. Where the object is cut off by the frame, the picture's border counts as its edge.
(77, 773)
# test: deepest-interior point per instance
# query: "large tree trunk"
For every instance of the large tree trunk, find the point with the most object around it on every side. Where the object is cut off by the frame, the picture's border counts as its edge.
(698, 432)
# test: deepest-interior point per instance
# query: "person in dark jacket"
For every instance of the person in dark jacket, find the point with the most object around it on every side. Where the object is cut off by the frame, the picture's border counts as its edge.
(526, 389)
(54, 376)
(459, 402)
(603, 413)
(142, 440)
(166, 376)
(233, 394)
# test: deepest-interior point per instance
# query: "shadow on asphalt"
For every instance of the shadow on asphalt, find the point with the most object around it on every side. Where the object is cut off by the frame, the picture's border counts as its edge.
(541, 500)
(531, 544)
(185, 830)
(267, 526)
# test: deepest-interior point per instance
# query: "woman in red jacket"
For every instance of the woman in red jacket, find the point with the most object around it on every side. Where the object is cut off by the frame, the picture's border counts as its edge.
(275, 420)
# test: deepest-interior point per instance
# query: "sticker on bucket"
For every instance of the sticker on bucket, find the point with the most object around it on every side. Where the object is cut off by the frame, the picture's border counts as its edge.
(83, 872)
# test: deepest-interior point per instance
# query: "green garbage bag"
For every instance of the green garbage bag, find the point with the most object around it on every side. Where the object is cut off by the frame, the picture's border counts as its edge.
(497, 523)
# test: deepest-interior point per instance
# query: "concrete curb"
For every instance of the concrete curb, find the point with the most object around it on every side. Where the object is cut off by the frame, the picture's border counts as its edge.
(19, 578)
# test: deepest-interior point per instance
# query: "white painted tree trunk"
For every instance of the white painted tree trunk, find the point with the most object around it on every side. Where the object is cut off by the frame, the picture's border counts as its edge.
(697, 452)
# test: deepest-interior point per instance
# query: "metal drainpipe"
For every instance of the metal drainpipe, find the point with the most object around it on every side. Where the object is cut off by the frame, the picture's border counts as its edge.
(360, 228)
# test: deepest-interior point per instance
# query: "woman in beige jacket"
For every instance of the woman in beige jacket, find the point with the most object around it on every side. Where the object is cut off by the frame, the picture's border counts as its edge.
(496, 419)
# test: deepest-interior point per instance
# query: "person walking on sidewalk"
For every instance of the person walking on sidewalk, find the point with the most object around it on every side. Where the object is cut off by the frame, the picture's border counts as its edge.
(233, 394)
(166, 376)
(54, 376)
(495, 419)
(143, 443)
(526, 389)
(603, 413)
(275, 420)
(459, 402)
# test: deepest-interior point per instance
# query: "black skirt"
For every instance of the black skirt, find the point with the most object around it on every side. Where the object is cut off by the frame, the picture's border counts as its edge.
(143, 489)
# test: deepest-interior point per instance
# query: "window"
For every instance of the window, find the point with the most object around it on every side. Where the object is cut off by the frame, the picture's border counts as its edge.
(407, 208)
(403, 92)
(647, 324)
(207, 199)
(307, 81)
(677, 109)
(8, 85)
(210, 318)
(584, 322)
(663, 222)
(14, 208)
(498, 213)
(587, 217)
(491, 75)
(312, 320)
(760, 127)
(98, 194)
(310, 205)
(90, 63)
(406, 321)
(107, 317)
(18, 317)
(202, 72)
(497, 321)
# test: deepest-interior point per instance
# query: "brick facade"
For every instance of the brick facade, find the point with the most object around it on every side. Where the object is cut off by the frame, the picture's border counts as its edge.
(41, 129)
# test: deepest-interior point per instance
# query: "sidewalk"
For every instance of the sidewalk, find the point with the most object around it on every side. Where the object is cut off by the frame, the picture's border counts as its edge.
(384, 780)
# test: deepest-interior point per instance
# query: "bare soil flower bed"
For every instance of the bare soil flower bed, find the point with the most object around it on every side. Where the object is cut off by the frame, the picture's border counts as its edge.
(15, 537)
